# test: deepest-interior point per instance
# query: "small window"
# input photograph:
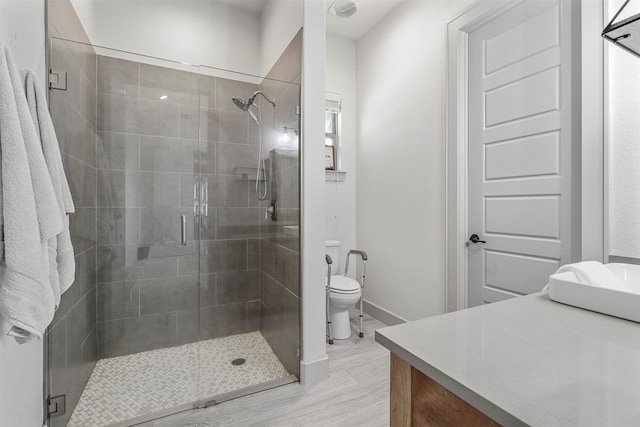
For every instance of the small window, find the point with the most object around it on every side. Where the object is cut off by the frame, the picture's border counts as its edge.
(332, 124)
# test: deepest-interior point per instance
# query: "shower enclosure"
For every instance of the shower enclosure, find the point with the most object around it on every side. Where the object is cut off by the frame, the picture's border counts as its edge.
(186, 234)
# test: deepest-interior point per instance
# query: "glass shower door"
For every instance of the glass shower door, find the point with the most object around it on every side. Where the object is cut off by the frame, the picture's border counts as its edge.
(186, 236)
(128, 328)
(147, 296)
(249, 233)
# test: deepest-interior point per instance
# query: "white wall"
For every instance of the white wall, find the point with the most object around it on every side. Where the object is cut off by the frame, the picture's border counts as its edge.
(22, 30)
(191, 31)
(21, 366)
(281, 20)
(400, 157)
(314, 365)
(592, 192)
(196, 32)
(340, 197)
(624, 151)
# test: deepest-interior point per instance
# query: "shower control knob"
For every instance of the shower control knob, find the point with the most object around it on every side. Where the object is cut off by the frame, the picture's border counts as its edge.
(272, 211)
(475, 239)
(269, 212)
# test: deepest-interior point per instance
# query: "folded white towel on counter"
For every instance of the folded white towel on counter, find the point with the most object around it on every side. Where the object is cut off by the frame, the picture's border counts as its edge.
(594, 273)
(26, 298)
(61, 256)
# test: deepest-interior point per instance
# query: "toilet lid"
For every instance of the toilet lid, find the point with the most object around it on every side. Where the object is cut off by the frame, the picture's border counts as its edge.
(343, 284)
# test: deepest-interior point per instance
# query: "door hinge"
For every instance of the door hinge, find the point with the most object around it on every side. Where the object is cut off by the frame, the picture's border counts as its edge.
(298, 352)
(57, 79)
(57, 405)
(297, 110)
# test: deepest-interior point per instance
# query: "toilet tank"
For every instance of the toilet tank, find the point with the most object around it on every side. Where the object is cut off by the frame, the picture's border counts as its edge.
(333, 250)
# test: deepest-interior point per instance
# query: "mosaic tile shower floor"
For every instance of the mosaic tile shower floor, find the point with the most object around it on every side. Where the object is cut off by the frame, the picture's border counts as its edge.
(125, 387)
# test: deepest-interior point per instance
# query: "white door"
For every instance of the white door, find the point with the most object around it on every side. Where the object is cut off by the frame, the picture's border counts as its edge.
(519, 154)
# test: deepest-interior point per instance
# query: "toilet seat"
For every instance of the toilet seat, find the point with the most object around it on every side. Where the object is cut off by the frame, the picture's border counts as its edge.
(344, 285)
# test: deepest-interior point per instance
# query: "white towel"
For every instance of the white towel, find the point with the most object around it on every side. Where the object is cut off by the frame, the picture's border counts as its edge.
(61, 257)
(26, 297)
(594, 273)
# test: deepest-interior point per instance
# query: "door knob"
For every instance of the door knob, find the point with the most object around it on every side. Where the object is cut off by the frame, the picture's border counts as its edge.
(475, 239)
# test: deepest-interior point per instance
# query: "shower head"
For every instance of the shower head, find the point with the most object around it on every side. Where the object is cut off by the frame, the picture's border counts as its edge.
(244, 106)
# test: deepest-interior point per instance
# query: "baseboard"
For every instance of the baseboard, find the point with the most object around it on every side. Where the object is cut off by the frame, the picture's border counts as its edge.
(315, 371)
(624, 259)
(381, 314)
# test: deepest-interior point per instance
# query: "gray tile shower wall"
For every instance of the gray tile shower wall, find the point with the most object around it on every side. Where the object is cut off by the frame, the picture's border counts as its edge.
(280, 246)
(151, 170)
(73, 334)
(133, 162)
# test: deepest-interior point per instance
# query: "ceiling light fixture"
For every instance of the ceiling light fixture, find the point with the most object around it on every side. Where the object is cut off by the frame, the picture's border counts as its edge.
(343, 8)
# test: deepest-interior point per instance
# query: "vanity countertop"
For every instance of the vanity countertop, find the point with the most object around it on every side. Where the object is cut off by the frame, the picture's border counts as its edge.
(530, 361)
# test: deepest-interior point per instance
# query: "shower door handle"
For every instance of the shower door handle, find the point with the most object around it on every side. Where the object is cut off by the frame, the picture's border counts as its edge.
(183, 229)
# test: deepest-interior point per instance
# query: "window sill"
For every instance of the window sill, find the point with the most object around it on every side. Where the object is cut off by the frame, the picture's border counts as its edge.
(334, 176)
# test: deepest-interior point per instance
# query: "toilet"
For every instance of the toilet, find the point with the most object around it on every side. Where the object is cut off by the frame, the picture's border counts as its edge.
(344, 293)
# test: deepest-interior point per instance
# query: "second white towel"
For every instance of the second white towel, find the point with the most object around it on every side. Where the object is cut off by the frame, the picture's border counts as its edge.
(61, 256)
(29, 209)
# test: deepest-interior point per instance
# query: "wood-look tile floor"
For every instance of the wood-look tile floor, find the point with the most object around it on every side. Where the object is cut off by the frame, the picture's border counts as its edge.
(355, 394)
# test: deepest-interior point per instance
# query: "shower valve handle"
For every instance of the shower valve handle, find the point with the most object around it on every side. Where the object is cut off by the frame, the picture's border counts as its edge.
(272, 211)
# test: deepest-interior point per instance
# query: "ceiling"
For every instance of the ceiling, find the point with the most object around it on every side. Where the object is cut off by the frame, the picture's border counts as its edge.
(255, 6)
(369, 13)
